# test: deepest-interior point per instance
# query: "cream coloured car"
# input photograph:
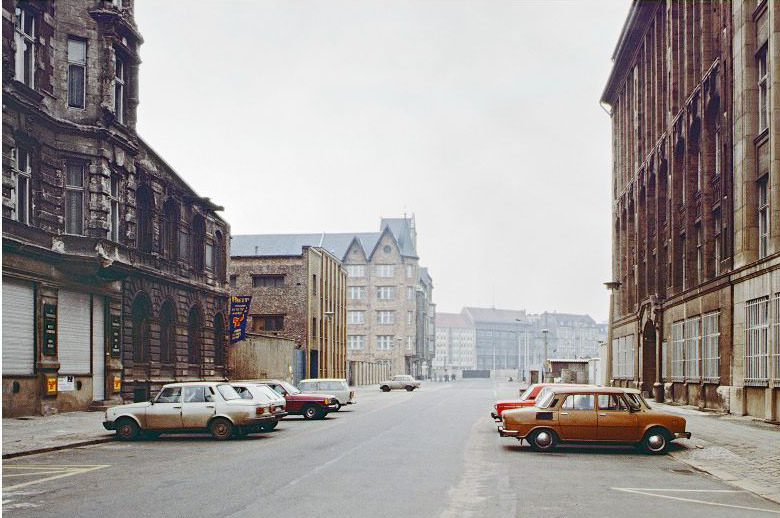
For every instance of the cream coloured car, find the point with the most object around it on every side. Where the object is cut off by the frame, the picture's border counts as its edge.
(337, 387)
(189, 407)
(400, 381)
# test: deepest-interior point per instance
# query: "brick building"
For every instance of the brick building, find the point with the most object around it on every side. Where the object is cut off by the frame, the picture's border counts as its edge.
(695, 106)
(301, 296)
(113, 268)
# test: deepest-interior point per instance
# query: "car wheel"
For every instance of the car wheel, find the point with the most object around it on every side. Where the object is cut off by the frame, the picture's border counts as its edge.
(338, 407)
(311, 412)
(127, 429)
(221, 429)
(543, 440)
(385, 388)
(409, 388)
(655, 441)
(267, 427)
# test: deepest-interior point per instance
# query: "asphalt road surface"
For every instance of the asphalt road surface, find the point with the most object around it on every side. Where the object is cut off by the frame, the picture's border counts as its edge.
(429, 453)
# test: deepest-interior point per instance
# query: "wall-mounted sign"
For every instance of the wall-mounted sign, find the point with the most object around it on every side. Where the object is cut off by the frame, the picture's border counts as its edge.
(115, 336)
(50, 384)
(117, 383)
(239, 308)
(65, 384)
(49, 329)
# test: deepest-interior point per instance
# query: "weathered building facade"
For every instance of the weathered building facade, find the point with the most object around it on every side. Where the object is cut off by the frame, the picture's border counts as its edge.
(302, 297)
(695, 107)
(113, 268)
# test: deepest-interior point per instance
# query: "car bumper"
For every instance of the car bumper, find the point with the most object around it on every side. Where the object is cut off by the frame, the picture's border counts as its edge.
(332, 407)
(280, 415)
(507, 433)
(250, 421)
(109, 425)
(494, 415)
(682, 435)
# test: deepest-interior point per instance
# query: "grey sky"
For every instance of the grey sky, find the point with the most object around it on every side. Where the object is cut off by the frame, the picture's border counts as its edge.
(481, 117)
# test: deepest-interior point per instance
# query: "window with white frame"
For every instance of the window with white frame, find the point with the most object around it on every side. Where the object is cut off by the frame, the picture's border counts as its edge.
(77, 72)
(385, 270)
(763, 216)
(409, 271)
(356, 292)
(716, 223)
(22, 179)
(678, 346)
(384, 342)
(385, 317)
(410, 317)
(356, 270)
(120, 81)
(763, 89)
(113, 231)
(24, 38)
(691, 352)
(74, 198)
(756, 340)
(409, 343)
(356, 342)
(385, 292)
(776, 338)
(699, 256)
(710, 347)
(355, 317)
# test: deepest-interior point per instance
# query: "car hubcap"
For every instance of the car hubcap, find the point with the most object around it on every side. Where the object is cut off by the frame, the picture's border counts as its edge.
(543, 439)
(221, 429)
(656, 442)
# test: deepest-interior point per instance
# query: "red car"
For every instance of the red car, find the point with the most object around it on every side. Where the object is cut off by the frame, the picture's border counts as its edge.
(527, 398)
(310, 406)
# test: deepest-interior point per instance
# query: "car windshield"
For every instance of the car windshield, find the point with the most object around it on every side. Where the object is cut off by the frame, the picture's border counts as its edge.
(635, 401)
(289, 388)
(544, 399)
(228, 392)
(527, 393)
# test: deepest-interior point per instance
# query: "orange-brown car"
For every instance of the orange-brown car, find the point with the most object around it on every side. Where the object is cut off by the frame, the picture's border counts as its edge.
(593, 415)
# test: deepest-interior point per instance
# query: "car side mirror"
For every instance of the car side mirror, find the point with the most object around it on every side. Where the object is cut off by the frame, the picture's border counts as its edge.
(632, 409)
(151, 401)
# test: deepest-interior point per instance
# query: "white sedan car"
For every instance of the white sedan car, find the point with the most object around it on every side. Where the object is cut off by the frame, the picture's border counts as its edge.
(338, 387)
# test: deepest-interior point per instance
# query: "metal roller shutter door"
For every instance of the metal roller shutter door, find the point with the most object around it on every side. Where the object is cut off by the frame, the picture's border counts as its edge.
(73, 332)
(98, 350)
(18, 327)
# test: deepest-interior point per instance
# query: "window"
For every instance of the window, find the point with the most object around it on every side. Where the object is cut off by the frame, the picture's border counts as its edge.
(678, 343)
(195, 394)
(684, 247)
(384, 342)
(356, 342)
(167, 332)
(612, 402)
(170, 228)
(699, 256)
(267, 281)
(356, 270)
(710, 350)
(169, 395)
(355, 317)
(763, 90)
(718, 153)
(24, 37)
(385, 292)
(718, 253)
(113, 219)
(409, 343)
(763, 217)
(74, 199)
(623, 357)
(409, 317)
(579, 402)
(23, 177)
(692, 351)
(233, 281)
(356, 292)
(220, 254)
(756, 340)
(385, 317)
(267, 322)
(409, 293)
(776, 338)
(409, 271)
(314, 284)
(209, 255)
(664, 355)
(385, 270)
(77, 70)
(120, 92)
(699, 172)
(194, 335)
(144, 213)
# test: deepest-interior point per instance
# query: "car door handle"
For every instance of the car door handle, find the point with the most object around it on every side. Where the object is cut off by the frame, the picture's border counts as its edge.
(602, 414)
(176, 406)
(564, 413)
(209, 406)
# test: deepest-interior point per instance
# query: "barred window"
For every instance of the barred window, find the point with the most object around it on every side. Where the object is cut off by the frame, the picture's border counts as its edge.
(623, 357)
(710, 350)
(678, 343)
(776, 338)
(756, 340)
(692, 355)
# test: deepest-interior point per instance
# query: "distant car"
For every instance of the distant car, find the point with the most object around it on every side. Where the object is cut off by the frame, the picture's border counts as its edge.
(189, 407)
(593, 415)
(400, 381)
(338, 387)
(263, 395)
(310, 406)
(527, 398)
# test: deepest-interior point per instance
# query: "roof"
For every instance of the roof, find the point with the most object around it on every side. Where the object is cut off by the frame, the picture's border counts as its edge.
(508, 316)
(568, 360)
(569, 318)
(452, 320)
(425, 277)
(568, 389)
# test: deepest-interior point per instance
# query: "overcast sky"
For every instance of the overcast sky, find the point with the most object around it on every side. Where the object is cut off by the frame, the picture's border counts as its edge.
(480, 117)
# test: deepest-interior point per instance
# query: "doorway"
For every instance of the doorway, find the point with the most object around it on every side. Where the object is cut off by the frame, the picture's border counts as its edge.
(648, 358)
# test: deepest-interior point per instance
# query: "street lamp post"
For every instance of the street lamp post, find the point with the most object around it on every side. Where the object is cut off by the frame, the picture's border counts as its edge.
(612, 286)
(328, 357)
(544, 364)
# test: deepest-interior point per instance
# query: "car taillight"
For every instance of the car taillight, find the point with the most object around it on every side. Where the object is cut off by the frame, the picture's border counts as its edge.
(327, 401)
(351, 394)
(260, 410)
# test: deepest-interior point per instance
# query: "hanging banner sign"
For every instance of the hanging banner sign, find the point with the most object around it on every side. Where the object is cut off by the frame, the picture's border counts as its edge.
(239, 309)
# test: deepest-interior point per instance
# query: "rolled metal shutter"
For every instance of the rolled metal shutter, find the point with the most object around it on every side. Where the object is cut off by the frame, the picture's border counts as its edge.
(18, 327)
(73, 332)
(98, 350)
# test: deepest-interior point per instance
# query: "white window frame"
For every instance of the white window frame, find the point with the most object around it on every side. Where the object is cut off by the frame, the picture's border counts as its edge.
(718, 152)
(762, 68)
(710, 347)
(385, 292)
(410, 343)
(678, 348)
(356, 271)
(692, 352)
(352, 291)
(356, 317)
(385, 270)
(762, 197)
(776, 338)
(409, 271)
(717, 220)
(409, 318)
(356, 342)
(120, 83)
(384, 342)
(385, 317)
(664, 353)
(699, 255)
(74, 189)
(22, 175)
(756, 341)
(113, 221)
(23, 41)
(77, 64)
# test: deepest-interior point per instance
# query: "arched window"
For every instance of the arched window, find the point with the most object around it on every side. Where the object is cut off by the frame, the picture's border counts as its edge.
(144, 212)
(219, 339)
(170, 241)
(167, 332)
(198, 242)
(220, 253)
(194, 335)
(140, 319)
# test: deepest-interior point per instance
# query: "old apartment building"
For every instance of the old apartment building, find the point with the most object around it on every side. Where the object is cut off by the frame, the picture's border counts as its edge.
(298, 292)
(390, 310)
(113, 267)
(694, 96)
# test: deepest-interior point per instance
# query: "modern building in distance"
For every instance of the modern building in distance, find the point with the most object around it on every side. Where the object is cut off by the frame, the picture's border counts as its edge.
(113, 267)
(390, 308)
(455, 343)
(694, 96)
(301, 296)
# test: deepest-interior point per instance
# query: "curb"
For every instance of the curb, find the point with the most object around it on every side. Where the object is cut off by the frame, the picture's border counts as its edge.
(56, 448)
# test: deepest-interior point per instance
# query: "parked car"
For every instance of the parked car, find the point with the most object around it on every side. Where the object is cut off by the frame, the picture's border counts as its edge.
(189, 407)
(593, 415)
(527, 398)
(400, 381)
(310, 406)
(263, 395)
(338, 387)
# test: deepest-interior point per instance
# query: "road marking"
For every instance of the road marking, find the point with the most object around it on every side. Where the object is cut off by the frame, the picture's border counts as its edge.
(61, 471)
(644, 491)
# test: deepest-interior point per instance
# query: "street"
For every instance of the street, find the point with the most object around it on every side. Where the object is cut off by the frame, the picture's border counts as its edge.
(432, 452)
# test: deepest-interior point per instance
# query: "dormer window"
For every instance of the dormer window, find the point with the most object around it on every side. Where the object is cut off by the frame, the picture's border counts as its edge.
(24, 38)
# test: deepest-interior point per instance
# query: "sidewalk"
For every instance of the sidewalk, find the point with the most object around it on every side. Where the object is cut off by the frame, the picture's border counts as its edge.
(742, 451)
(37, 434)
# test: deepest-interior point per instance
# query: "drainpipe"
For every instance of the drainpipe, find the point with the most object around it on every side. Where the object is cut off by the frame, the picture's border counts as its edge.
(611, 286)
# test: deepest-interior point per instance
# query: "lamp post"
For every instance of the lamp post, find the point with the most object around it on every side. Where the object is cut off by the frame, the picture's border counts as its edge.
(544, 364)
(519, 375)
(329, 316)
(612, 286)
